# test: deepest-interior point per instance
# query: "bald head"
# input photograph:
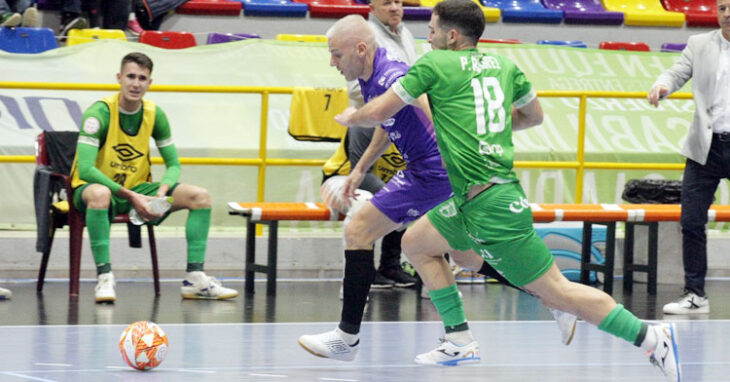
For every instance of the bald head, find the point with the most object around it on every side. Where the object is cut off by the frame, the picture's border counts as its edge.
(351, 30)
(352, 47)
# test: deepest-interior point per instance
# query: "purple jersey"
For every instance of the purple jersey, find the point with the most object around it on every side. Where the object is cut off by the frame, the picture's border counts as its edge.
(409, 129)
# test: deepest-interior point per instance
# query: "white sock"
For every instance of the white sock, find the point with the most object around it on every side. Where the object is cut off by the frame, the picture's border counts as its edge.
(461, 338)
(132, 16)
(194, 276)
(650, 340)
(350, 339)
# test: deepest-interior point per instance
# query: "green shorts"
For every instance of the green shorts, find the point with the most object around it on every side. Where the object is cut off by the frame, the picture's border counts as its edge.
(120, 205)
(498, 225)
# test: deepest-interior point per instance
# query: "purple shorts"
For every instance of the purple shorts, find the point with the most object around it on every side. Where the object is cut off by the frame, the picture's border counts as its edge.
(412, 193)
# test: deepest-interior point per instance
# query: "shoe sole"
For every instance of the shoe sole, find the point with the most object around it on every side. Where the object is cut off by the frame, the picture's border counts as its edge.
(572, 334)
(381, 286)
(314, 353)
(105, 299)
(197, 297)
(676, 351)
(405, 285)
(455, 362)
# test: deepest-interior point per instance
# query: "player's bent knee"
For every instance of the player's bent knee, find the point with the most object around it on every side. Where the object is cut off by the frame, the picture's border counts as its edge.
(97, 196)
(357, 234)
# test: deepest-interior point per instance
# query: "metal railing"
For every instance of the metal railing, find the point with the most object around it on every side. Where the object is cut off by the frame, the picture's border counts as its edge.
(262, 161)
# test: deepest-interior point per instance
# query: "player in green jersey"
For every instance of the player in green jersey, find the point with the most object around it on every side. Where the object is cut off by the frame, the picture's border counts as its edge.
(477, 100)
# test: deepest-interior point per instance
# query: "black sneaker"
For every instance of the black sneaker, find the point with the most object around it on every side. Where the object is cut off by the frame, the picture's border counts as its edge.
(399, 277)
(77, 22)
(381, 282)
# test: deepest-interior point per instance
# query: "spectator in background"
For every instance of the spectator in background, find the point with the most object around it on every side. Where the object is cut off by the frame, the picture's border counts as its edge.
(109, 14)
(18, 12)
(71, 17)
(706, 60)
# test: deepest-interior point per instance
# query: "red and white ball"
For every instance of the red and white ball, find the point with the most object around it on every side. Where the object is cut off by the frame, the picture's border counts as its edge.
(143, 345)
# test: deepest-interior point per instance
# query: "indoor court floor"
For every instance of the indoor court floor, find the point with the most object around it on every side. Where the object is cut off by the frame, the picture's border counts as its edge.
(50, 337)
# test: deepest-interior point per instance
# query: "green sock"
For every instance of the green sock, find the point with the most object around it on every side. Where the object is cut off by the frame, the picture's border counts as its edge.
(196, 233)
(623, 324)
(97, 222)
(450, 308)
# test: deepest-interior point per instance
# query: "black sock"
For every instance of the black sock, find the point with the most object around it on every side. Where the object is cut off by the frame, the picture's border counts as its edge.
(390, 250)
(488, 271)
(359, 274)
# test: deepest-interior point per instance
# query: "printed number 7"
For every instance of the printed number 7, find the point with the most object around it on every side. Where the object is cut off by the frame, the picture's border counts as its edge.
(490, 91)
(329, 98)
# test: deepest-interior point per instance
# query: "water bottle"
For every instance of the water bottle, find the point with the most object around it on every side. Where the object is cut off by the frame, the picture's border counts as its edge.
(157, 205)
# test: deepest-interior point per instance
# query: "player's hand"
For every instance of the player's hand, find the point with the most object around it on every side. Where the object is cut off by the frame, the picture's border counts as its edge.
(656, 93)
(344, 117)
(352, 182)
(141, 203)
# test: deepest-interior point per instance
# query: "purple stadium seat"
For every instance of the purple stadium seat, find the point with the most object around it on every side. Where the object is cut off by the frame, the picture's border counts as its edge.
(218, 38)
(525, 11)
(416, 13)
(585, 12)
(673, 47)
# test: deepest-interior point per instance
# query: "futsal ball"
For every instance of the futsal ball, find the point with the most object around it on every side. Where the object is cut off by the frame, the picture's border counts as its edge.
(143, 345)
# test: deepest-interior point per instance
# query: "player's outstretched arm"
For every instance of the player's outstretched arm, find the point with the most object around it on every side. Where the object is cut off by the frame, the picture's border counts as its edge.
(527, 116)
(374, 112)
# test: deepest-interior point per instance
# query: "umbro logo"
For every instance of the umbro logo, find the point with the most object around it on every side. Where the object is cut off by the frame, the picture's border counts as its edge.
(126, 152)
(456, 353)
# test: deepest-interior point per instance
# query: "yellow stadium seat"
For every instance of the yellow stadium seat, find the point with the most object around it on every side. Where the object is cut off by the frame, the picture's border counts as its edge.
(302, 37)
(80, 36)
(645, 13)
(491, 15)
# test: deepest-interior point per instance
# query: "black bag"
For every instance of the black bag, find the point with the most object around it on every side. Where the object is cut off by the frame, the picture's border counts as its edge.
(652, 191)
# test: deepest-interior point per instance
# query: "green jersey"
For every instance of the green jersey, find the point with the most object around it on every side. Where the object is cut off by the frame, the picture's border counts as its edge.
(471, 96)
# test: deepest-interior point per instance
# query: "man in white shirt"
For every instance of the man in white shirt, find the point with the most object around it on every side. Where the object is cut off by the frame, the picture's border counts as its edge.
(706, 59)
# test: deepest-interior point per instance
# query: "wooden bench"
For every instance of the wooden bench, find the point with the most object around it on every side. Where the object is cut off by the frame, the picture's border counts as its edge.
(270, 213)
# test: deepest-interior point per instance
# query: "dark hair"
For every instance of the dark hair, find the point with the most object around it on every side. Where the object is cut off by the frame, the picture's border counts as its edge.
(464, 15)
(138, 58)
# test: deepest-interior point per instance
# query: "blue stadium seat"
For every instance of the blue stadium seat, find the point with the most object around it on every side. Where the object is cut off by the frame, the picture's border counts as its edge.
(274, 8)
(572, 44)
(27, 40)
(525, 11)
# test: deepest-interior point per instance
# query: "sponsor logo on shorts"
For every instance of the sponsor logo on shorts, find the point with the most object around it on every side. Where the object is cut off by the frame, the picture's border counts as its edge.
(485, 148)
(448, 210)
(519, 205)
(412, 212)
(393, 135)
(475, 239)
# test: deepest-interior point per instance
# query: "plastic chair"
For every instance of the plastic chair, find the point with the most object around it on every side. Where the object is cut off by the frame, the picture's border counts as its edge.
(82, 36)
(417, 13)
(210, 7)
(699, 13)
(274, 8)
(27, 40)
(572, 44)
(585, 12)
(491, 14)
(334, 8)
(54, 155)
(673, 47)
(168, 39)
(525, 11)
(617, 45)
(301, 37)
(645, 13)
(219, 38)
(565, 244)
(500, 41)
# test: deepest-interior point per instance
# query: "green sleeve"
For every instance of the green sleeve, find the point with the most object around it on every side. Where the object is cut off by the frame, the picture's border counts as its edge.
(418, 80)
(168, 151)
(523, 93)
(94, 126)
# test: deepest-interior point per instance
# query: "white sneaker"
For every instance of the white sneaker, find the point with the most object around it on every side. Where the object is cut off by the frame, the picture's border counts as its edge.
(665, 356)
(448, 354)
(198, 285)
(104, 291)
(329, 345)
(5, 294)
(689, 303)
(567, 323)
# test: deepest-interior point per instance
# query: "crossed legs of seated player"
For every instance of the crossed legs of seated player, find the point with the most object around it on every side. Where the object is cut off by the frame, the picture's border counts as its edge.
(424, 245)
(98, 201)
(367, 225)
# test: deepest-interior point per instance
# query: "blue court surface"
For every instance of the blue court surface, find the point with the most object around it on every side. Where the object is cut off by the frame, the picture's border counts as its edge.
(511, 351)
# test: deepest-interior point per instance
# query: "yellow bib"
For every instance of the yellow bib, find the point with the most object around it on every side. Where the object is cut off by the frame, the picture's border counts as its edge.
(384, 168)
(312, 114)
(124, 158)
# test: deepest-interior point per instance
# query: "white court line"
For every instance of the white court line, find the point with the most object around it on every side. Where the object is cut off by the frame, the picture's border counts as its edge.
(269, 375)
(338, 379)
(196, 371)
(53, 364)
(10, 373)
